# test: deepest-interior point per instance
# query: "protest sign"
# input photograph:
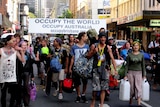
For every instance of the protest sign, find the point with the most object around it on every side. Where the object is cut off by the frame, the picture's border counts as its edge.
(64, 26)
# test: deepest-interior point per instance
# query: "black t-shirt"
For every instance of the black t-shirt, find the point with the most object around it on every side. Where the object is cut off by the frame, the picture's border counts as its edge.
(107, 57)
(156, 50)
(62, 53)
(113, 47)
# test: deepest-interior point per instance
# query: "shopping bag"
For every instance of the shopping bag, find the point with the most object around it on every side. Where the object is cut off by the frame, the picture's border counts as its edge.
(68, 85)
(33, 91)
(121, 71)
(83, 67)
(113, 82)
(119, 64)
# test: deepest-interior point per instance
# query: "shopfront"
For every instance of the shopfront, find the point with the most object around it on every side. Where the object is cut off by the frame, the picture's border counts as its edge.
(137, 26)
(5, 24)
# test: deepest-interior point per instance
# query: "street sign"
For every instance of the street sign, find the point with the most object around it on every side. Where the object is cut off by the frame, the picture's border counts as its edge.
(140, 28)
(154, 22)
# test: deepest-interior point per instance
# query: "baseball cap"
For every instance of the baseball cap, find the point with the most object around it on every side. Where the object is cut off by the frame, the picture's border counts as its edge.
(59, 40)
(110, 38)
(102, 34)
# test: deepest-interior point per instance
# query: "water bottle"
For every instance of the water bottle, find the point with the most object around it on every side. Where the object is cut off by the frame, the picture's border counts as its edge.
(145, 90)
(124, 92)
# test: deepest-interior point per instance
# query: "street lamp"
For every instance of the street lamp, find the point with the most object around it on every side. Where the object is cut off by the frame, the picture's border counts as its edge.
(23, 16)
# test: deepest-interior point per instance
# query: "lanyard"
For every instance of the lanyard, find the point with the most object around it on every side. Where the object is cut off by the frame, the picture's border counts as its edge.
(102, 50)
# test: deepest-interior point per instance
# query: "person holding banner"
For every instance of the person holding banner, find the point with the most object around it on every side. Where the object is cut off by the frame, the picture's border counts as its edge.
(8, 75)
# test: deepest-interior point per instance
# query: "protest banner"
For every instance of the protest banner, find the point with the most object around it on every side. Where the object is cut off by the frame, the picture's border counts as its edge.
(64, 26)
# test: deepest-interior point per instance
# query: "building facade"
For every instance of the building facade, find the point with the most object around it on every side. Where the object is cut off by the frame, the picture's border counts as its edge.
(8, 14)
(73, 7)
(40, 8)
(31, 5)
(131, 19)
(90, 9)
(58, 8)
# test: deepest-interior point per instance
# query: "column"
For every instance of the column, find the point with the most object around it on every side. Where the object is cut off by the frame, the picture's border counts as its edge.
(144, 40)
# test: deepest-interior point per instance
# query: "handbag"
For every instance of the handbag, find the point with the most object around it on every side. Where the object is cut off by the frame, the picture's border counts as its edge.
(83, 67)
(113, 81)
(67, 85)
(33, 91)
(121, 71)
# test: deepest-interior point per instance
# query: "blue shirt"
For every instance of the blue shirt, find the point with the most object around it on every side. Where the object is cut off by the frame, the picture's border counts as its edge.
(124, 53)
(76, 51)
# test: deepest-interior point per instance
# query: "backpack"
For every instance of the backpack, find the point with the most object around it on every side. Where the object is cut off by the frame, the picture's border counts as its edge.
(29, 61)
(83, 66)
(55, 64)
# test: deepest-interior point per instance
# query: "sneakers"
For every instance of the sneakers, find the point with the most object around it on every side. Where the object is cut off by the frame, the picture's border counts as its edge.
(78, 99)
(60, 96)
(42, 82)
(84, 99)
(55, 93)
(74, 89)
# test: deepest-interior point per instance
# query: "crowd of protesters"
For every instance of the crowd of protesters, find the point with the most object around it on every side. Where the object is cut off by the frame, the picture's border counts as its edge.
(101, 49)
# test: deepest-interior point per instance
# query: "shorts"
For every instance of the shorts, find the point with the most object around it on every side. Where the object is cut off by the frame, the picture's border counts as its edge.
(42, 68)
(77, 80)
(58, 76)
(99, 84)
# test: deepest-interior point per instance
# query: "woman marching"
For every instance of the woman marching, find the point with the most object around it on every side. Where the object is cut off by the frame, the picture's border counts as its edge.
(8, 56)
(135, 72)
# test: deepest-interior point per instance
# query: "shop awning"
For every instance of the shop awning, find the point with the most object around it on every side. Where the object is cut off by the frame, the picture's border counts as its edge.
(5, 22)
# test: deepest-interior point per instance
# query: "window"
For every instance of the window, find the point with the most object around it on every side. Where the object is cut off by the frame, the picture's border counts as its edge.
(153, 2)
(130, 7)
(134, 6)
(149, 3)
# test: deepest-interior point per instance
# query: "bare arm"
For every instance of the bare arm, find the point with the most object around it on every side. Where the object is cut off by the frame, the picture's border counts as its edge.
(71, 64)
(66, 67)
(92, 51)
(112, 58)
(21, 56)
(118, 53)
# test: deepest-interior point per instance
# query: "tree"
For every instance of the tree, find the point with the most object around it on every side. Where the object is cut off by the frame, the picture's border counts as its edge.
(66, 14)
(31, 15)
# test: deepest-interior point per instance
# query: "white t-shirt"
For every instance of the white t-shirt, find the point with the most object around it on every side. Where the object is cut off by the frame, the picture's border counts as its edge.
(151, 44)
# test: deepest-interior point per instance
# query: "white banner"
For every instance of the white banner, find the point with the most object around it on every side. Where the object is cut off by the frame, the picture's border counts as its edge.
(64, 26)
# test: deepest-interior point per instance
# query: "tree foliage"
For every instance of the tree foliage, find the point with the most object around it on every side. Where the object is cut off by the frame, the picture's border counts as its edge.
(31, 15)
(66, 14)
